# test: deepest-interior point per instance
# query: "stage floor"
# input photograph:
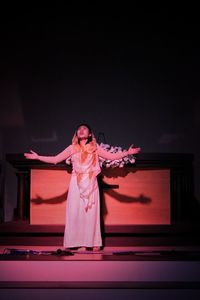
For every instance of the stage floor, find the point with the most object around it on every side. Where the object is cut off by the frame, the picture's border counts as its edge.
(113, 267)
(47, 253)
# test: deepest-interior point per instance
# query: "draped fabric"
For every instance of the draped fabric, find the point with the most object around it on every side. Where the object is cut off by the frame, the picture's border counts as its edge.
(83, 203)
(86, 167)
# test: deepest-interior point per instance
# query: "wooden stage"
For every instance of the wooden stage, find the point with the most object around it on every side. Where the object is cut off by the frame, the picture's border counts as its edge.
(112, 267)
(33, 264)
(144, 261)
(33, 257)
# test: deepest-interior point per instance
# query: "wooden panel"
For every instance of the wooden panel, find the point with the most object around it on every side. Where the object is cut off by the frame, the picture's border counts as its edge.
(129, 197)
(143, 197)
(48, 196)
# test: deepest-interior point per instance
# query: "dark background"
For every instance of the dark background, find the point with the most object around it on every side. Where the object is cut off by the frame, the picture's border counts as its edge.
(134, 78)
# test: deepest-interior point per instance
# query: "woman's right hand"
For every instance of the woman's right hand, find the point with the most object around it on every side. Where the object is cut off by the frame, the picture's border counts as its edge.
(31, 155)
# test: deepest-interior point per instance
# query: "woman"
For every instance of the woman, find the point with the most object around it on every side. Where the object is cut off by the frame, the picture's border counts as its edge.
(82, 227)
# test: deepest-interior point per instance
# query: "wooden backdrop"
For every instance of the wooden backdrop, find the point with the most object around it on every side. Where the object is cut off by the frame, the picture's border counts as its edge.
(128, 197)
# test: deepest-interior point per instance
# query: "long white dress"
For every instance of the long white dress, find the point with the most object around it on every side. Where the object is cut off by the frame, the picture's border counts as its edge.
(82, 228)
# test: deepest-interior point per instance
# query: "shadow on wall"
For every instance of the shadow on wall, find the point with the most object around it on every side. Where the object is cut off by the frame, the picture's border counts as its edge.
(55, 200)
(104, 188)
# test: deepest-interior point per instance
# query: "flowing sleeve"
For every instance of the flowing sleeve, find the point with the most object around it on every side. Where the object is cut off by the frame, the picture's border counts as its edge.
(66, 153)
(110, 156)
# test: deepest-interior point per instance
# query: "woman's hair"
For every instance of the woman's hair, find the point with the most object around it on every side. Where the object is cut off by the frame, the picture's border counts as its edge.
(91, 135)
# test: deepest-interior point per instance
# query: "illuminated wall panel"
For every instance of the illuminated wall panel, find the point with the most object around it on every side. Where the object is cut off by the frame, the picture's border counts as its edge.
(128, 197)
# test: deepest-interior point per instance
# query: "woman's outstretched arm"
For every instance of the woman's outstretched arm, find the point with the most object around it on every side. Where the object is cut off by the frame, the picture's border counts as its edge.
(112, 156)
(50, 159)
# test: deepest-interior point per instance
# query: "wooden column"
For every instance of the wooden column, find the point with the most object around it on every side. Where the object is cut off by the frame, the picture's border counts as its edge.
(22, 195)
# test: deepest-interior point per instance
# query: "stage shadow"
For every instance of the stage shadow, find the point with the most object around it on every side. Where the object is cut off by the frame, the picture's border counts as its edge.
(54, 200)
(104, 188)
(110, 190)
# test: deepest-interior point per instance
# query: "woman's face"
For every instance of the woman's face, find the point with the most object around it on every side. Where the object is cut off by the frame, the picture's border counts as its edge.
(83, 132)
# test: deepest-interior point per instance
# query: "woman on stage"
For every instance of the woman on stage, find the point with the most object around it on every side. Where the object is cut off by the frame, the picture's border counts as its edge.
(82, 228)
